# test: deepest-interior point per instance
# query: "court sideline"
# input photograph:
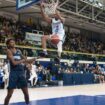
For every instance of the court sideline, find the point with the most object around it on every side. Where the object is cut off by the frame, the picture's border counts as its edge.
(38, 95)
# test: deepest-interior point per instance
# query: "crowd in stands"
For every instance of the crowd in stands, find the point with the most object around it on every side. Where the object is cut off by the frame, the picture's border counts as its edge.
(97, 70)
(16, 30)
(39, 74)
(4, 74)
(78, 43)
(73, 42)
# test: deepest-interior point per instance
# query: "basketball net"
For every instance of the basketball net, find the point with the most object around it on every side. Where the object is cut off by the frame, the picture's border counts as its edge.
(50, 6)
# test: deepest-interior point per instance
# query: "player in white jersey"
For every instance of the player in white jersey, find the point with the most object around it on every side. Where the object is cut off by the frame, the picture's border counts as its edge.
(57, 29)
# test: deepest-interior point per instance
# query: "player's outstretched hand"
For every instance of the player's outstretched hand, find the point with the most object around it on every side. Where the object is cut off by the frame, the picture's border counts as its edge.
(41, 4)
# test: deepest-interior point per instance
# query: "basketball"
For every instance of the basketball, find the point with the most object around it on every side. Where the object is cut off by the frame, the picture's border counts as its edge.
(55, 39)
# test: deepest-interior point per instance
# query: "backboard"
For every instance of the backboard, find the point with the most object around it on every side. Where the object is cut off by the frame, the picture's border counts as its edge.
(25, 3)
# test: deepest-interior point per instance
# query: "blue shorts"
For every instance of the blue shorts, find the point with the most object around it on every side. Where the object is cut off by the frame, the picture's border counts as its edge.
(17, 79)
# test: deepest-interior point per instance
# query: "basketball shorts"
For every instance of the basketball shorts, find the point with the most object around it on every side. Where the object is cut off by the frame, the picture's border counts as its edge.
(17, 79)
(59, 45)
(61, 36)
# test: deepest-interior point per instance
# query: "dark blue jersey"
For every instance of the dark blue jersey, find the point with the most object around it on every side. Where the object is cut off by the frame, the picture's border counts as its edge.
(17, 78)
(17, 56)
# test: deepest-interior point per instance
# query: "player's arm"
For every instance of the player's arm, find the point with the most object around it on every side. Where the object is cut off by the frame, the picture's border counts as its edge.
(22, 56)
(60, 17)
(46, 18)
(30, 60)
(27, 60)
(14, 62)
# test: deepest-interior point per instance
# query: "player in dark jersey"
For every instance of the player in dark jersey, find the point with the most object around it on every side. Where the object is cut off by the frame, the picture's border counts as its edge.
(17, 78)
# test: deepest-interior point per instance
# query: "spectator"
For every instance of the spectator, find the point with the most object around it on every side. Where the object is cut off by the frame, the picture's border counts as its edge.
(2, 76)
(98, 74)
(6, 74)
(33, 76)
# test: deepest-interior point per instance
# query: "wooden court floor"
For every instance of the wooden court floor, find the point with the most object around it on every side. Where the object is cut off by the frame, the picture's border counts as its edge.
(65, 95)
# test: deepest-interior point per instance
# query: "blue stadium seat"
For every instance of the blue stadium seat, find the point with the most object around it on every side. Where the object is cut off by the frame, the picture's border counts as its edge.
(1, 80)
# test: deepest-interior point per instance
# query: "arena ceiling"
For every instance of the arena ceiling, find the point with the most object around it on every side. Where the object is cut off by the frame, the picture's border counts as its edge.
(78, 13)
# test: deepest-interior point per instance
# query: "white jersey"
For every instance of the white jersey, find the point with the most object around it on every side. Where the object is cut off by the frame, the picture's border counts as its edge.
(33, 71)
(57, 27)
(6, 71)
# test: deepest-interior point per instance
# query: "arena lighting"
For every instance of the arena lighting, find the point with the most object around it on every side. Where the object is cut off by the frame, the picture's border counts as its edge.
(91, 1)
(95, 2)
(100, 5)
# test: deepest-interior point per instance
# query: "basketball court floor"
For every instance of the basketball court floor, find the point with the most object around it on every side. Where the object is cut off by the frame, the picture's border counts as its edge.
(68, 95)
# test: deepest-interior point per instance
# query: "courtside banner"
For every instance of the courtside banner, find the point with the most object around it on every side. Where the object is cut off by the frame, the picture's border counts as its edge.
(33, 37)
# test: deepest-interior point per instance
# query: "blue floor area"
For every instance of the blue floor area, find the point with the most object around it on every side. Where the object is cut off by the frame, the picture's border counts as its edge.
(72, 100)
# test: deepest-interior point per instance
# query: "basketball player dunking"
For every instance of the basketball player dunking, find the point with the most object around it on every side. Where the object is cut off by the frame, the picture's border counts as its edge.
(57, 29)
(17, 77)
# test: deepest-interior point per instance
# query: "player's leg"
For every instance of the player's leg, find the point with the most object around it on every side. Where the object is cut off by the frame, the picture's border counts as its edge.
(11, 86)
(26, 95)
(31, 80)
(35, 81)
(59, 46)
(9, 94)
(44, 41)
(36, 78)
(57, 58)
(6, 81)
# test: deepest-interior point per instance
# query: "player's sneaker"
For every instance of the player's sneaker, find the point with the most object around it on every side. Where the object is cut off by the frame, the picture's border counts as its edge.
(44, 54)
(57, 59)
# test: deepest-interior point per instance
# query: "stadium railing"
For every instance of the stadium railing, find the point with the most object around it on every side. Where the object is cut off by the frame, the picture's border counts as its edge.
(66, 55)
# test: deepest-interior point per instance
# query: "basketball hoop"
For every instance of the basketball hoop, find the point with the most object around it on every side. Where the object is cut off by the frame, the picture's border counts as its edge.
(50, 6)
